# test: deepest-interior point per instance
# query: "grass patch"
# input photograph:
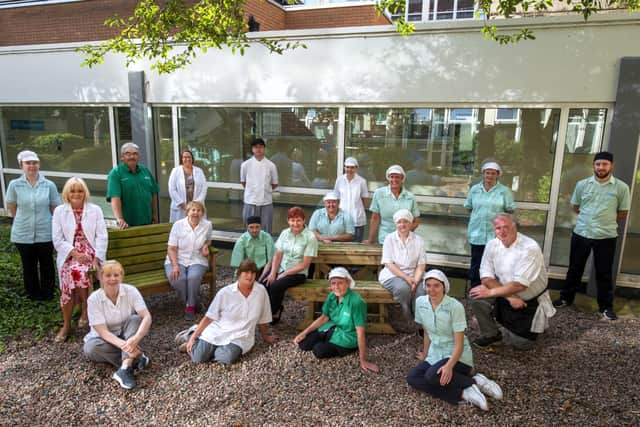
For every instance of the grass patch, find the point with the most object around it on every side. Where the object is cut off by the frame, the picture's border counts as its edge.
(21, 318)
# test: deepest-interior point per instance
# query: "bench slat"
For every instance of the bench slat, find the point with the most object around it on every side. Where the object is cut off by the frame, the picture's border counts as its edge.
(317, 290)
(159, 248)
(116, 244)
(143, 230)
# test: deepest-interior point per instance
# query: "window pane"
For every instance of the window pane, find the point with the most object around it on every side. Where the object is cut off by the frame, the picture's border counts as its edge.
(631, 249)
(123, 127)
(97, 190)
(444, 227)
(300, 141)
(584, 139)
(66, 139)
(443, 149)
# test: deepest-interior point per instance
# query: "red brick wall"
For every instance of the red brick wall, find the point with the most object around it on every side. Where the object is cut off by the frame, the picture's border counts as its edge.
(83, 21)
(353, 16)
(59, 23)
(270, 16)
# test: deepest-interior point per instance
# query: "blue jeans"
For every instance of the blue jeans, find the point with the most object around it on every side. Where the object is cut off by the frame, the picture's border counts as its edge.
(203, 351)
(188, 283)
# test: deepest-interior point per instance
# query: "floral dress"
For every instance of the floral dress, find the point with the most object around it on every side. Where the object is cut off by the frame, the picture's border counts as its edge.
(73, 273)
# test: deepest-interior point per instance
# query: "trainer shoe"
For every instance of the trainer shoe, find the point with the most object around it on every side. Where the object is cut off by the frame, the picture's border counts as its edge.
(142, 362)
(474, 396)
(183, 336)
(487, 341)
(608, 314)
(125, 378)
(559, 303)
(488, 387)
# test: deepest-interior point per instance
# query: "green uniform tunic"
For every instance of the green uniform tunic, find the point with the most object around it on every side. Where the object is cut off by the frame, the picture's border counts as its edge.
(135, 191)
(351, 312)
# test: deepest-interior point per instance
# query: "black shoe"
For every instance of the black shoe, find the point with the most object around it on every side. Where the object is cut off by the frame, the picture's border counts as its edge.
(608, 314)
(487, 341)
(561, 303)
(125, 378)
(276, 319)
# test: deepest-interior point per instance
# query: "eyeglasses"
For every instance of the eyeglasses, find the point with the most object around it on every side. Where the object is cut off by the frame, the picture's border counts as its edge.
(131, 153)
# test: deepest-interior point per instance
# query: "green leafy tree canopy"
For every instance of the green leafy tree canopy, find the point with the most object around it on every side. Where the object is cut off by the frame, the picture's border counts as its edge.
(170, 32)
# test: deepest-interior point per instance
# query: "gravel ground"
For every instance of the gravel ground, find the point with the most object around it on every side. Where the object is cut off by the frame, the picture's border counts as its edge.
(584, 374)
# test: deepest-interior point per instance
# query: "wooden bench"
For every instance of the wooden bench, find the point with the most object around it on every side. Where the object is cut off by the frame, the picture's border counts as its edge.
(366, 256)
(142, 250)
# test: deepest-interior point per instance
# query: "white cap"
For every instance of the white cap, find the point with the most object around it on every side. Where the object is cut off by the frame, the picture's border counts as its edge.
(402, 214)
(491, 165)
(395, 169)
(342, 273)
(438, 275)
(331, 195)
(27, 156)
(350, 161)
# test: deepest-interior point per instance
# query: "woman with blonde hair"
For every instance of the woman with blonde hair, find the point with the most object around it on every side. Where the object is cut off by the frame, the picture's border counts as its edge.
(119, 321)
(187, 256)
(80, 238)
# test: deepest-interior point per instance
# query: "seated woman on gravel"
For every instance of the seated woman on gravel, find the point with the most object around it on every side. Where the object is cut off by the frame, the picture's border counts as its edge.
(119, 320)
(340, 329)
(446, 359)
(187, 253)
(228, 329)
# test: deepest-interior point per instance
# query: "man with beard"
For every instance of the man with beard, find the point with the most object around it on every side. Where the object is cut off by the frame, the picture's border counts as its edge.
(600, 201)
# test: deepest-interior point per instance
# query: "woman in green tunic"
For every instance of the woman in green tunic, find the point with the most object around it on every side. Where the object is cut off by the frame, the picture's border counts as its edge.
(340, 328)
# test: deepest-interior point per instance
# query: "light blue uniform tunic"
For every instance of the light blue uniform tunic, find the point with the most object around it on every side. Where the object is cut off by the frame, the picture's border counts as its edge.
(385, 204)
(485, 205)
(599, 206)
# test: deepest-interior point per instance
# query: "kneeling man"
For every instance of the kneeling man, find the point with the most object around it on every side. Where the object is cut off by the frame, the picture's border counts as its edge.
(228, 329)
(514, 288)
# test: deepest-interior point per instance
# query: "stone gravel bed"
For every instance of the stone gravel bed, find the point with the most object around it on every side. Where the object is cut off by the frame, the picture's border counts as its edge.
(585, 371)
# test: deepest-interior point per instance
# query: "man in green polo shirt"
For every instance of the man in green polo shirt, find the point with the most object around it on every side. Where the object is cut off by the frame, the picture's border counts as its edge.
(600, 201)
(132, 190)
(256, 245)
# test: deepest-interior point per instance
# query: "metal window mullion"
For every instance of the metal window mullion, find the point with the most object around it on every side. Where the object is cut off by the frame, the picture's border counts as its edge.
(555, 184)
(175, 111)
(425, 11)
(341, 138)
(4, 145)
(113, 137)
(435, 10)
(625, 225)
(455, 9)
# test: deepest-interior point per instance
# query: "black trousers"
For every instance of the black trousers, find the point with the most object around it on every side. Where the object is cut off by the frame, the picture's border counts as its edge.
(603, 252)
(278, 288)
(318, 342)
(474, 268)
(38, 270)
(425, 377)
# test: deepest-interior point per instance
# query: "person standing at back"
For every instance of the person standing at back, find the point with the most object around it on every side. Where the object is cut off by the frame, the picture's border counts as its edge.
(352, 189)
(259, 177)
(132, 190)
(600, 201)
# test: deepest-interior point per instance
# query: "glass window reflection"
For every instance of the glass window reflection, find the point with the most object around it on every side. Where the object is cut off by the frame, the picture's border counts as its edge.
(67, 139)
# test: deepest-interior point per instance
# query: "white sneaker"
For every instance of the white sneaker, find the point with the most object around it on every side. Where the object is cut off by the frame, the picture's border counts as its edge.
(488, 387)
(474, 396)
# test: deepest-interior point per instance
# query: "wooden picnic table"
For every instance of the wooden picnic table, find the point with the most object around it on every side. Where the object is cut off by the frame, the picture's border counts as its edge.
(367, 256)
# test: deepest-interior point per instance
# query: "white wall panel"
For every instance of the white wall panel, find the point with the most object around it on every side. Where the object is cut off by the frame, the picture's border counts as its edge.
(441, 63)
